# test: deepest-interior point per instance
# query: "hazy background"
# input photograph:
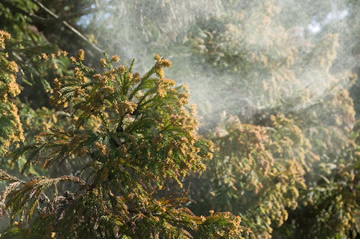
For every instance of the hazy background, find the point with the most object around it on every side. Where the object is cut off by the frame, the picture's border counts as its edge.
(177, 30)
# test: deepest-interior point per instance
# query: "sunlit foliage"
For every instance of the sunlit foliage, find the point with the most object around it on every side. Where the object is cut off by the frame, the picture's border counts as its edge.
(129, 133)
(90, 148)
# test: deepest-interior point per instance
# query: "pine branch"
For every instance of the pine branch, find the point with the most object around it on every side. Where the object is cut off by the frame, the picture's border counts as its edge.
(26, 198)
(5, 176)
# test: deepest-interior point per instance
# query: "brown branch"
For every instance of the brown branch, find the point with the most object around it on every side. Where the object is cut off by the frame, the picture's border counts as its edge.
(69, 26)
(56, 18)
(47, 21)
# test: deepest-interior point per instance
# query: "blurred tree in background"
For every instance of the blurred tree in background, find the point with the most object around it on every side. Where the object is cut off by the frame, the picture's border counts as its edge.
(94, 149)
(294, 150)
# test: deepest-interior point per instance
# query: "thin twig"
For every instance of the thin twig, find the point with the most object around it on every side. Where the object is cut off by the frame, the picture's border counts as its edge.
(69, 26)
(97, 3)
(47, 21)
(56, 18)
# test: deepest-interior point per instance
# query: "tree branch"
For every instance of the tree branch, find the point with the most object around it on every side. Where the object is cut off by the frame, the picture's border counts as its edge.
(69, 26)
(56, 18)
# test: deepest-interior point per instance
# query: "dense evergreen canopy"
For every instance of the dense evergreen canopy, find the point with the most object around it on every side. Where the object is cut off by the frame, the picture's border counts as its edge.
(254, 134)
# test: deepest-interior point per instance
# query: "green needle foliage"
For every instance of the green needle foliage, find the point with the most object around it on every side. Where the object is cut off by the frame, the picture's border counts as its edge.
(129, 133)
(94, 149)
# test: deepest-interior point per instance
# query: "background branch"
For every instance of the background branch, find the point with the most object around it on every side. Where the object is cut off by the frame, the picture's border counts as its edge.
(56, 18)
(95, 47)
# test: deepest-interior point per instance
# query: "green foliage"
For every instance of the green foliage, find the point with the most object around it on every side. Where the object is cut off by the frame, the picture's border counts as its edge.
(110, 153)
(257, 171)
(229, 227)
(290, 151)
(10, 130)
(127, 150)
(284, 70)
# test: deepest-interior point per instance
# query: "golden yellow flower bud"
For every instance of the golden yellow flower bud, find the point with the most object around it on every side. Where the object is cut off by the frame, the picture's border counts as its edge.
(80, 55)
